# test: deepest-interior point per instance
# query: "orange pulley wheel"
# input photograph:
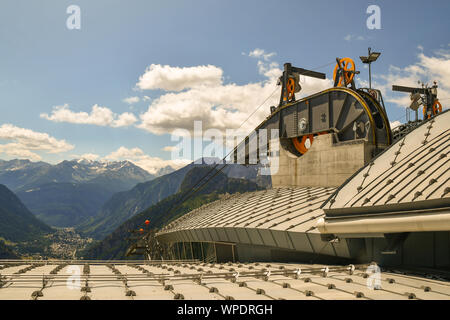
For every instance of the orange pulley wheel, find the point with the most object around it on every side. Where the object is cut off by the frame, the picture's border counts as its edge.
(349, 68)
(437, 107)
(304, 144)
(290, 88)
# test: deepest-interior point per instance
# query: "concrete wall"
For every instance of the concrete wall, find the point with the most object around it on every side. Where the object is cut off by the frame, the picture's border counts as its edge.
(324, 165)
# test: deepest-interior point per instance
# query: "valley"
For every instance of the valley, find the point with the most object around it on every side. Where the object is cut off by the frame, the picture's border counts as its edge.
(79, 208)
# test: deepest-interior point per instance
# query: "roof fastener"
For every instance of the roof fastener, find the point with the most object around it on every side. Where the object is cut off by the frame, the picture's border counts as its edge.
(410, 295)
(178, 296)
(426, 288)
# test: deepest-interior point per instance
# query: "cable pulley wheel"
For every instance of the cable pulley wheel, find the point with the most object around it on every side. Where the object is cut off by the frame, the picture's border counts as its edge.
(437, 108)
(302, 144)
(348, 65)
(290, 88)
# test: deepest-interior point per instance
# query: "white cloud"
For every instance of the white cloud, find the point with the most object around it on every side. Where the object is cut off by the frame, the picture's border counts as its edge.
(219, 105)
(169, 148)
(24, 140)
(89, 156)
(148, 163)
(435, 67)
(260, 53)
(100, 116)
(131, 100)
(176, 79)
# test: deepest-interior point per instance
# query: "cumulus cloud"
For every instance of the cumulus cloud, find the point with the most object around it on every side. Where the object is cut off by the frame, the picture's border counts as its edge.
(131, 100)
(176, 79)
(169, 148)
(260, 53)
(427, 68)
(217, 104)
(148, 163)
(24, 140)
(89, 156)
(100, 116)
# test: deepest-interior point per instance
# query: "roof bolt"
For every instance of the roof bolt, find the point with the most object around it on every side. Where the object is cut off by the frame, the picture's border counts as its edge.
(443, 155)
(389, 181)
(366, 200)
(411, 295)
(431, 149)
(410, 165)
(433, 181)
(420, 172)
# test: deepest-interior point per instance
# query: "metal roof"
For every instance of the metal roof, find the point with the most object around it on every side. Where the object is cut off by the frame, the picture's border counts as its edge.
(412, 173)
(294, 209)
(193, 280)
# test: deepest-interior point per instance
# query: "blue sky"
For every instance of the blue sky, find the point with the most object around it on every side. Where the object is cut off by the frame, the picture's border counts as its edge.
(43, 64)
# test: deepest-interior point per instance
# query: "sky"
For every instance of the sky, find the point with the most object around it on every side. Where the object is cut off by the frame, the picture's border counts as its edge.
(137, 71)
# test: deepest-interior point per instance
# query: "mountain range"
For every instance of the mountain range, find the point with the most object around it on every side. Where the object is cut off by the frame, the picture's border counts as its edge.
(98, 197)
(124, 205)
(114, 245)
(19, 228)
(69, 192)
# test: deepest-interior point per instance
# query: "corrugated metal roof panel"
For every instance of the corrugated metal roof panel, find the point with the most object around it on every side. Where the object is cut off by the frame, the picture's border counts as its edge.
(195, 280)
(413, 170)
